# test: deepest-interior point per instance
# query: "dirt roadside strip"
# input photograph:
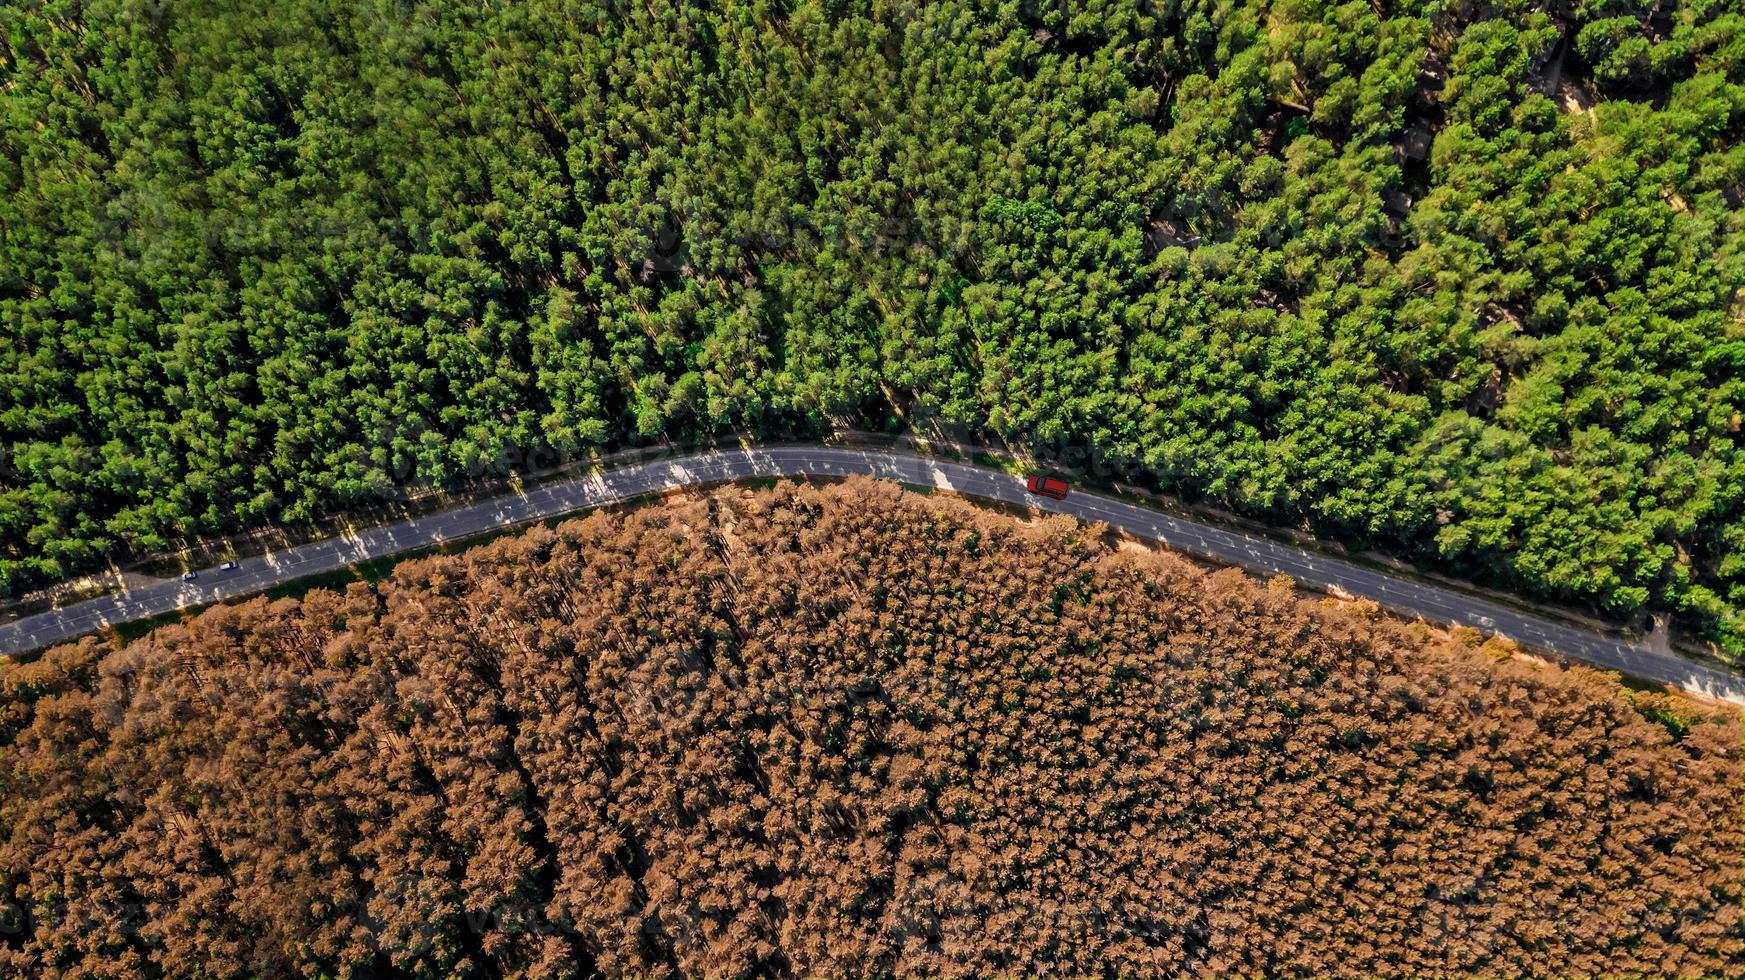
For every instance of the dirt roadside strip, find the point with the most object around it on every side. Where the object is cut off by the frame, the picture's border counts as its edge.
(1394, 593)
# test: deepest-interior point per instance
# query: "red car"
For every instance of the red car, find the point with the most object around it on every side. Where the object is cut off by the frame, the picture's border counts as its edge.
(1047, 486)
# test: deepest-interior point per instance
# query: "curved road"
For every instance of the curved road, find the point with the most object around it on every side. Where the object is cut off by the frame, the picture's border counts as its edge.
(1317, 571)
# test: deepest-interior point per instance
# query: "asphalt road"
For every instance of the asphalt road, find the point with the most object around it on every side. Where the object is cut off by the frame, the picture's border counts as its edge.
(1397, 594)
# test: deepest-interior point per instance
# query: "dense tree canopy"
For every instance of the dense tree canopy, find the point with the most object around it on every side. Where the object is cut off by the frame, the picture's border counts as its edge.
(1455, 279)
(824, 732)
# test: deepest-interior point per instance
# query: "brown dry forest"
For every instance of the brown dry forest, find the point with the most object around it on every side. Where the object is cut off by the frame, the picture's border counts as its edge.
(840, 731)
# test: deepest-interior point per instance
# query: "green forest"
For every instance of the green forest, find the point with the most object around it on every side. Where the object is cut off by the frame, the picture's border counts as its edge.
(844, 732)
(1454, 280)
